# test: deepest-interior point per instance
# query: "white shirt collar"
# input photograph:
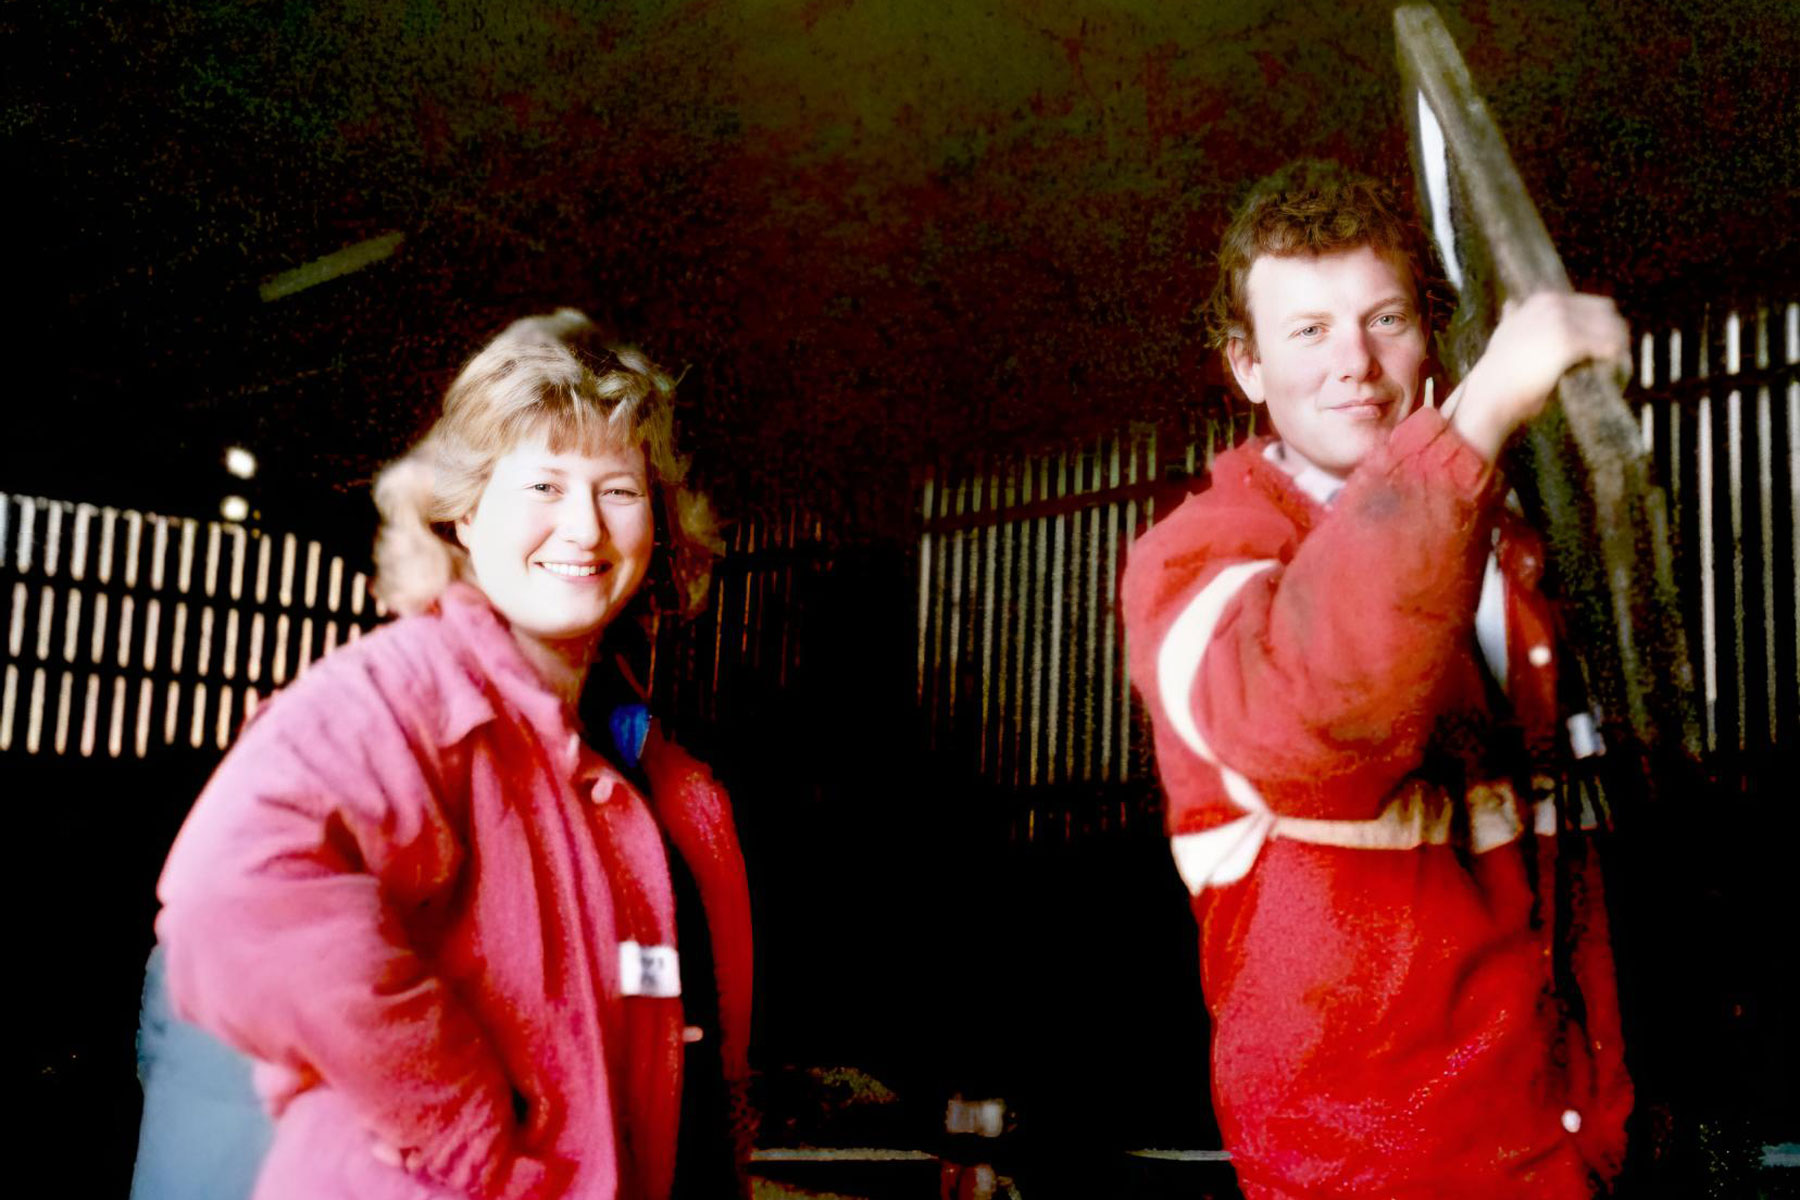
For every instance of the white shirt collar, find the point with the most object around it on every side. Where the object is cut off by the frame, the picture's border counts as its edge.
(1320, 484)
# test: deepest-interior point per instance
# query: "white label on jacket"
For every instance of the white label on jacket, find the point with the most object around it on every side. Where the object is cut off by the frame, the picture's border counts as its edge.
(649, 970)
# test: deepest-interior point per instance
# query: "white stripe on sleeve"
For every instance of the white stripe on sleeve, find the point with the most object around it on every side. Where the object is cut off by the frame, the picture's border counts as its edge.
(1178, 664)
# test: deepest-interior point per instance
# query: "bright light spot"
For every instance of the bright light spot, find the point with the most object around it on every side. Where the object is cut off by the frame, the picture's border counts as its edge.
(240, 462)
(234, 508)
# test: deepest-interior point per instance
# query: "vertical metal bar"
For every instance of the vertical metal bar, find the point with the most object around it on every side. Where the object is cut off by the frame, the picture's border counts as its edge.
(1708, 601)
(1791, 340)
(185, 571)
(1152, 462)
(973, 601)
(171, 711)
(240, 545)
(97, 634)
(948, 665)
(84, 516)
(1058, 585)
(1765, 539)
(290, 546)
(1074, 579)
(1040, 545)
(1676, 474)
(15, 635)
(134, 544)
(278, 675)
(1675, 414)
(1004, 707)
(71, 624)
(1110, 768)
(1765, 526)
(90, 715)
(52, 537)
(34, 717)
(1066, 573)
(63, 689)
(263, 549)
(989, 536)
(9, 704)
(709, 700)
(109, 522)
(22, 551)
(945, 608)
(755, 580)
(115, 732)
(1096, 604)
(46, 620)
(751, 544)
(925, 580)
(159, 551)
(212, 557)
(141, 740)
(756, 597)
(222, 727)
(1734, 457)
(203, 660)
(178, 640)
(1131, 533)
(1023, 623)
(313, 551)
(197, 721)
(152, 623)
(127, 610)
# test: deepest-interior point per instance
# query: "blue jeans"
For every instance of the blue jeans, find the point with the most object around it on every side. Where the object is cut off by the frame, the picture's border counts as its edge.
(204, 1131)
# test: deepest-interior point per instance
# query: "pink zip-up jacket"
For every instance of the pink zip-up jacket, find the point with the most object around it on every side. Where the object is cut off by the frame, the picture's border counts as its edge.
(442, 925)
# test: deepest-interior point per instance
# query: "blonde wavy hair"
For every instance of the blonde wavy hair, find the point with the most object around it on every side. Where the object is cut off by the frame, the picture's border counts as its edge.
(548, 376)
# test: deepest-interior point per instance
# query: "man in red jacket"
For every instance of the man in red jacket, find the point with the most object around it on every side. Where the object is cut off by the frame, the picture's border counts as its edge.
(1352, 682)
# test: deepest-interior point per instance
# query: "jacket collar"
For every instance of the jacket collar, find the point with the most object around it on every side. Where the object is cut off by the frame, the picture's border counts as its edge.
(490, 649)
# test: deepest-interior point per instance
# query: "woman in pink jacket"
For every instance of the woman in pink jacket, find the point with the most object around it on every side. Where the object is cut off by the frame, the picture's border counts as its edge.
(438, 920)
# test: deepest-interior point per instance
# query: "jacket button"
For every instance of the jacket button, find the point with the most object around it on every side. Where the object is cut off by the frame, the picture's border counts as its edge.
(1539, 656)
(1571, 1120)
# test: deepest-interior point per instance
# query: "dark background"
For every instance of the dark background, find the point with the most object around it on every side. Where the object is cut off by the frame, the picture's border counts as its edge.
(875, 237)
(872, 234)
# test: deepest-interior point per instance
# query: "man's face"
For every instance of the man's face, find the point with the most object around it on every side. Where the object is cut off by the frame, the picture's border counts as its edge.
(1338, 354)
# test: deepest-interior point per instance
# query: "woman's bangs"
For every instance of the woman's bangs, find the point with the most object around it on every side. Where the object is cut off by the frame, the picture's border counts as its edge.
(571, 425)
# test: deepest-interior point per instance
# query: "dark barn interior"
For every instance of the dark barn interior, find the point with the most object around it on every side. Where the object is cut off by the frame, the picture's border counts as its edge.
(929, 274)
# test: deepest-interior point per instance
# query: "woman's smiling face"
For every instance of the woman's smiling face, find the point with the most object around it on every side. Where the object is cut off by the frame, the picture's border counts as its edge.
(560, 542)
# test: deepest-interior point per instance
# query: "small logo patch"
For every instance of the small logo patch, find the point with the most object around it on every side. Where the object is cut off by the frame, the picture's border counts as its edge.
(649, 970)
